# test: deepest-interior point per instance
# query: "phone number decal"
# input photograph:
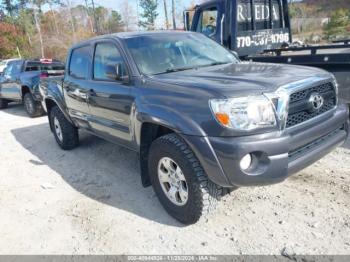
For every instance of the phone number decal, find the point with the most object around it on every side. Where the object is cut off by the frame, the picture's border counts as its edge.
(261, 40)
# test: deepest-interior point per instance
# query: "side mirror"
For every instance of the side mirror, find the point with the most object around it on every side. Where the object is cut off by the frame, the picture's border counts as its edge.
(117, 72)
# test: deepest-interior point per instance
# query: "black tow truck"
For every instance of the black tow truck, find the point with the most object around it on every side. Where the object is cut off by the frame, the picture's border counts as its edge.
(20, 82)
(260, 31)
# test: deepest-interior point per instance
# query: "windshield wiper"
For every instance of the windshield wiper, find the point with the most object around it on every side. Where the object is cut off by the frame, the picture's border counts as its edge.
(171, 70)
(214, 64)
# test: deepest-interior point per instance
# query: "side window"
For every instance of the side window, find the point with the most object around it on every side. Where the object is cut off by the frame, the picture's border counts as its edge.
(208, 22)
(8, 70)
(17, 68)
(107, 56)
(79, 62)
(13, 68)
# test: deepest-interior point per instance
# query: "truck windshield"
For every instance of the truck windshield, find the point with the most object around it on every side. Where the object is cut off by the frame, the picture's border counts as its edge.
(165, 53)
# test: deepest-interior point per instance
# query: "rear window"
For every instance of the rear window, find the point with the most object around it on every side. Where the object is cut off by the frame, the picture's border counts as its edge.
(262, 11)
(36, 66)
(79, 62)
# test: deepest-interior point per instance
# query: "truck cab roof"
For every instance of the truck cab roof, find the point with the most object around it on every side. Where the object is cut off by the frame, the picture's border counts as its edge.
(125, 35)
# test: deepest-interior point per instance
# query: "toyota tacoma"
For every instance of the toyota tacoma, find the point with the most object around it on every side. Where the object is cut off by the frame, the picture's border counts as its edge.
(203, 122)
(20, 82)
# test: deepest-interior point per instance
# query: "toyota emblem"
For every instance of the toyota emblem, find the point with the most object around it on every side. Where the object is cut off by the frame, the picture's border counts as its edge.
(316, 101)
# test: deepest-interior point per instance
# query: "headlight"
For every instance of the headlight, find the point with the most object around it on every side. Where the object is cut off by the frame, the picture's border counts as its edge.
(244, 113)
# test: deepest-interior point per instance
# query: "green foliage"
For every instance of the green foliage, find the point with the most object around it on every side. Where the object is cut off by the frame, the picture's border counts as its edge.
(11, 38)
(149, 13)
(338, 25)
(115, 22)
(9, 6)
(60, 25)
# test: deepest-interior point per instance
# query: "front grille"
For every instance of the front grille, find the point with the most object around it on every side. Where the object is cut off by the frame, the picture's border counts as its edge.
(299, 106)
(314, 144)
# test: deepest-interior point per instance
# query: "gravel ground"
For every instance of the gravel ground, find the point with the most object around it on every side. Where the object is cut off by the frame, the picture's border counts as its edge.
(90, 201)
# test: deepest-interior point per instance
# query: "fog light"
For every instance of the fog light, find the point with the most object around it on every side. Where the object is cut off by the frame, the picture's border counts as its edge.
(246, 161)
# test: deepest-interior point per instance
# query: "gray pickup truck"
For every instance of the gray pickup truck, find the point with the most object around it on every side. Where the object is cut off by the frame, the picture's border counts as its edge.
(203, 122)
(20, 82)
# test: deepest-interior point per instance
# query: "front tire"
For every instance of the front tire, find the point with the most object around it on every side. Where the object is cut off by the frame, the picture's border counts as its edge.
(32, 107)
(179, 181)
(3, 103)
(66, 135)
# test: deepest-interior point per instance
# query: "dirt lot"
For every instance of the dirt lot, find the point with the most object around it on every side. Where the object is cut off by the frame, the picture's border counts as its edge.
(90, 200)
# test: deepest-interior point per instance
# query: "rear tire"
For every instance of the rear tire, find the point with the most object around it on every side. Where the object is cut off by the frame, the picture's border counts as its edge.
(3, 103)
(201, 196)
(32, 107)
(66, 135)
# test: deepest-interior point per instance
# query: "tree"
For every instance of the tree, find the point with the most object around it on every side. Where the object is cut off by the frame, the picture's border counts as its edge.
(101, 14)
(338, 25)
(9, 6)
(11, 39)
(166, 15)
(51, 3)
(115, 22)
(38, 28)
(71, 19)
(173, 13)
(26, 22)
(149, 14)
(129, 16)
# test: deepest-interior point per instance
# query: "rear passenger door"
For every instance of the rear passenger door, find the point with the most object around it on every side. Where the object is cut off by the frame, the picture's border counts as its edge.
(110, 100)
(75, 86)
(11, 86)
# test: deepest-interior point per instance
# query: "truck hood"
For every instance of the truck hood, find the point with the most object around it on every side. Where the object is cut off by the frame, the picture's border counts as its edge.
(242, 78)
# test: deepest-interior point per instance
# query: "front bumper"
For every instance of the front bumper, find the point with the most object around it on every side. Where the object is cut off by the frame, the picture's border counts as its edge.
(277, 155)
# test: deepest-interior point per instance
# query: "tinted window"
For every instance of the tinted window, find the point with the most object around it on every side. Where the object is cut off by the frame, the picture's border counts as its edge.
(106, 56)
(34, 66)
(208, 22)
(79, 62)
(17, 67)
